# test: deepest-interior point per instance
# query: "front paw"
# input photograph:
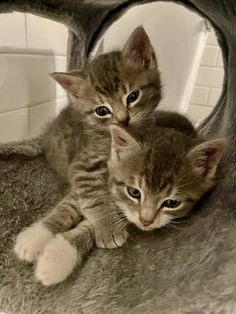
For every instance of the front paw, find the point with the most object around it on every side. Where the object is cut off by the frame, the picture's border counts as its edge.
(111, 240)
(31, 241)
(57, 261)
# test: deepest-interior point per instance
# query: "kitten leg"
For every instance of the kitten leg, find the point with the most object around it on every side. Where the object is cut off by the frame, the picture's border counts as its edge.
(89, 178)
(64, 252)
(31, 241)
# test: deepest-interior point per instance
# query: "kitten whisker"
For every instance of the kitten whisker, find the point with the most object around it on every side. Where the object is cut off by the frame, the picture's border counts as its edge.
(142, 114)
(185, 175)
(173, 226)
(189, 183)
(165, 228)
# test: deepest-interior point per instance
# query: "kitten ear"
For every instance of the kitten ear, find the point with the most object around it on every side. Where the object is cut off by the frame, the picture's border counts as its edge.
(206, 156)
(122, 142)
(139, 50)
(68, 81)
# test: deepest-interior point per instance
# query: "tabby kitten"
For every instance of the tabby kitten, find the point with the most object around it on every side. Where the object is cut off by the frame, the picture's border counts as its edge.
(118, 87)
(156, 173)
(160, 174)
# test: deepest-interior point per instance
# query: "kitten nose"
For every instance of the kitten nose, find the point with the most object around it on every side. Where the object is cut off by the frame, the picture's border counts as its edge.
(125, 121)
(145, 223)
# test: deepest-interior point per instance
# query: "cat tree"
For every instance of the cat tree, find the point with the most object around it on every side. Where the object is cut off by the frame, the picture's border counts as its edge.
(189, 270)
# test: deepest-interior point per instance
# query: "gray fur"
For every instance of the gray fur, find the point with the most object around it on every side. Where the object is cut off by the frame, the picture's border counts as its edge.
(186, 270)
(125, 85)
(169, 170)
(167, 164)
(77, 144)
(167, 161)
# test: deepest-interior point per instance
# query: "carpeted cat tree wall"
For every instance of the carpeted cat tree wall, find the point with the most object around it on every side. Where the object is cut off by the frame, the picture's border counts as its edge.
(187, 270)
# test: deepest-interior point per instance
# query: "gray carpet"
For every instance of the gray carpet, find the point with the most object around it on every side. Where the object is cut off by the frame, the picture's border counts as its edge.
(191, 269)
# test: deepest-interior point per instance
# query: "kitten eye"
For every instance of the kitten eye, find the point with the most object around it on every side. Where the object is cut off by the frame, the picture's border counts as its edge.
(132, 97)
(135, 193)
(171, 203)
(102, 111)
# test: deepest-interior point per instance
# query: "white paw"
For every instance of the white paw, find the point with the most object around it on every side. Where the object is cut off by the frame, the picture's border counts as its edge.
(57, 261)
(31, 242)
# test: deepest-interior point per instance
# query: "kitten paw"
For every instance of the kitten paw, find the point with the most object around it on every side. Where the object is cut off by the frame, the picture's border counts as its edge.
(31, 242)
(57, 261)
(111, 241)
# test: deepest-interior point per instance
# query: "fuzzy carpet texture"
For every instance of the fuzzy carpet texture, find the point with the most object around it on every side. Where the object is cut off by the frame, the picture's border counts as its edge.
(191, 269)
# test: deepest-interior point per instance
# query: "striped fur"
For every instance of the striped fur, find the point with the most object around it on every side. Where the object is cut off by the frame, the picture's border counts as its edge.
(77, 143)
(163, 164)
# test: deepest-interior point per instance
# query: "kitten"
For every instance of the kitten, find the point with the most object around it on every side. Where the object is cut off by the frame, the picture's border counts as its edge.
(160, 174)
(156, 173)
(118, 87)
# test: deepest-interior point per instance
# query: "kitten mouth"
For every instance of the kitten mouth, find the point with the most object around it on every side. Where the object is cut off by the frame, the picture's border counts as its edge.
(147, 228)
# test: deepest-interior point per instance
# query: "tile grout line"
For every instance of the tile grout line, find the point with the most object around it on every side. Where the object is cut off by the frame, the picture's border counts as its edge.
(28, 52)
(201, 105)
(35, 105)
(209, 86)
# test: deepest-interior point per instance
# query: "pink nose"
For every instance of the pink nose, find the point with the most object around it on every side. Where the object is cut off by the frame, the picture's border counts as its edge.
(145, 223)
(125, 121)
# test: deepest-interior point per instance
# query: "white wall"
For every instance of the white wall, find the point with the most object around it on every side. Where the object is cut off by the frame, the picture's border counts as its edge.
(208, 85)
(30, 49)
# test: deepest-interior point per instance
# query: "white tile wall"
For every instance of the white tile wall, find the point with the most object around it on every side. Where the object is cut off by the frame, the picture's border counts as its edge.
(25, 80)
(212, 40)
(219, 61)
(210, 76)
(12, 31)
(200, 95)
(209, 56)
(198, 113)
(30, 48)
(208, 85)
(46, 36)
(14, 126)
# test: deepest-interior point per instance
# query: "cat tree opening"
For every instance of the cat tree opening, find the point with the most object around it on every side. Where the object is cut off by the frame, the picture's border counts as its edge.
(179, 46)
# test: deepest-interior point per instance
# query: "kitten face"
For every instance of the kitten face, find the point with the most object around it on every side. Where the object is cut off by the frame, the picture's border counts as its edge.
(117, 87)
(161, 178)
